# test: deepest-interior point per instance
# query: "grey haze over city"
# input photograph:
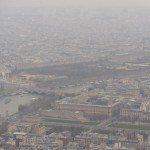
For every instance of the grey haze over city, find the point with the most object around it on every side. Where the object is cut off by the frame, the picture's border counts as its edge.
(44, 27)
(74, 74)
(88, 3)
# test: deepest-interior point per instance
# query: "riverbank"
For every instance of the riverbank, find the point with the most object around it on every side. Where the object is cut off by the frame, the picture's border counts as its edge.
(12, 106)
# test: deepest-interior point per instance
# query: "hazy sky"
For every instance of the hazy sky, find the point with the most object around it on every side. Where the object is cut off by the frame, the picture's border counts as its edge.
(79, 3)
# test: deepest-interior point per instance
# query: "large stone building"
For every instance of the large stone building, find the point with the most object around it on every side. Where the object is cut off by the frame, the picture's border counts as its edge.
(136, 111)
(102, 110)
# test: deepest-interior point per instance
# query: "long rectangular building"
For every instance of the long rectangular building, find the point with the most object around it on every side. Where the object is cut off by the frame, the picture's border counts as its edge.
(103, 110)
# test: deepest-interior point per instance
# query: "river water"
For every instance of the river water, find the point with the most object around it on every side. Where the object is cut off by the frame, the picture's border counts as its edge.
(15, 101)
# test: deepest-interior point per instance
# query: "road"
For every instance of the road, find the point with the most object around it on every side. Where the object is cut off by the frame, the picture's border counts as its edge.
(103, 124)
